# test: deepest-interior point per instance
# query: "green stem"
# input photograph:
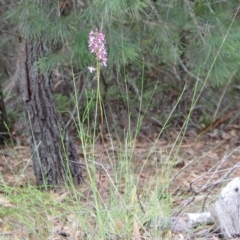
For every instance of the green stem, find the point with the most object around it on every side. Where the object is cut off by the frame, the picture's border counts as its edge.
(99, 98)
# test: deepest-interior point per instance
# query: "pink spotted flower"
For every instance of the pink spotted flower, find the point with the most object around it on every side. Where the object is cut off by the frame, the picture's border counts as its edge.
(97, 46)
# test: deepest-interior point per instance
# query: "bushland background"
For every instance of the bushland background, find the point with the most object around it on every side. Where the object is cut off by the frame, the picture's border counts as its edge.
(170, 95)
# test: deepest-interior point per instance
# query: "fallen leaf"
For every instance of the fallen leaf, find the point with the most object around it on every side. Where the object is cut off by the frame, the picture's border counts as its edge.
(136, 230)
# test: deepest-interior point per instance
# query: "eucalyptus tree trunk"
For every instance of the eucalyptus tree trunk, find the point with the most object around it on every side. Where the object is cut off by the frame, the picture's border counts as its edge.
(3, 119)
(55, 160)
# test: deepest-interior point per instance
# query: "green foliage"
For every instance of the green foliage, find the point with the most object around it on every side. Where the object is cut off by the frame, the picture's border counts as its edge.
(120, 9)
(13, 116)
(63, 102)
(202, 34)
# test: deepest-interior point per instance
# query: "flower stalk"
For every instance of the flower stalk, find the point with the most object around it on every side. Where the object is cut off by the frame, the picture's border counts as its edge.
(97, 46)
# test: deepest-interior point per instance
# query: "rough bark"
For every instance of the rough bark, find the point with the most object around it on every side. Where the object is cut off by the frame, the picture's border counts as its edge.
(3, 120)
(55, 160)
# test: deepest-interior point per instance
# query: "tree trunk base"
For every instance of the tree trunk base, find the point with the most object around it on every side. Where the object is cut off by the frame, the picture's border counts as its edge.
(55, 159)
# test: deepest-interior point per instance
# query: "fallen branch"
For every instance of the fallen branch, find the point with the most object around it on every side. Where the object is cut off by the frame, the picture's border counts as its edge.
(224, 214)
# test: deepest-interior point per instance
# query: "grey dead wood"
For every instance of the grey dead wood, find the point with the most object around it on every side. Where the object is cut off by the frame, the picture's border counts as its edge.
(226, 211)
(224, 215)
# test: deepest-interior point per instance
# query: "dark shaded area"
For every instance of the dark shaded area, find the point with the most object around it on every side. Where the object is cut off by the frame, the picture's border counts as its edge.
(157, 95)
(4, 134)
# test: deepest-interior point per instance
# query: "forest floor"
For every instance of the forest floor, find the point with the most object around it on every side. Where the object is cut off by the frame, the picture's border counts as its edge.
(193, 165)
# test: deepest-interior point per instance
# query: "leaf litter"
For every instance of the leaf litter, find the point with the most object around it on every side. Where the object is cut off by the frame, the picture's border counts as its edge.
(199, 168)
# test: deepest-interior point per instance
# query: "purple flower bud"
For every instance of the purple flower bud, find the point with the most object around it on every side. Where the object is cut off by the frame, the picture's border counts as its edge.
(97, 46)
